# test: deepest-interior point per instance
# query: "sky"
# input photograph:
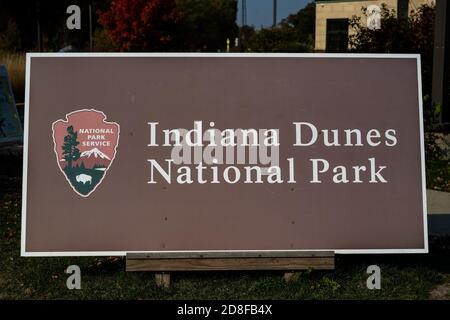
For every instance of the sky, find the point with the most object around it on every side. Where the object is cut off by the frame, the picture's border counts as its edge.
(259, 12)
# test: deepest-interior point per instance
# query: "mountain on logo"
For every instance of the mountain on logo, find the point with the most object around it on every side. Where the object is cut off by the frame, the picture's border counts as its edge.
(95, 153)
(93, 158)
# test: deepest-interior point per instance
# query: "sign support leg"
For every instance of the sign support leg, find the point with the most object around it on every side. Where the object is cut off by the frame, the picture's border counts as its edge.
(162, 280)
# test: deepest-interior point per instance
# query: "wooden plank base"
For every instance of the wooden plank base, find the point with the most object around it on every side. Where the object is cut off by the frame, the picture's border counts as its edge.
(159, 263)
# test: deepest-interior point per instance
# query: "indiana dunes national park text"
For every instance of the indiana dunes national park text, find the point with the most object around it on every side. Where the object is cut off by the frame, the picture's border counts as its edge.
(252, 155)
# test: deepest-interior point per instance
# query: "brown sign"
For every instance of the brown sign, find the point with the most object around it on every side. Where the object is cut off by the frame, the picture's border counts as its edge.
(221, 152)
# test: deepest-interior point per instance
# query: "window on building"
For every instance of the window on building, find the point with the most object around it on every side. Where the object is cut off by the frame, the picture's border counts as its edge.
(337, 35)
(402, 8)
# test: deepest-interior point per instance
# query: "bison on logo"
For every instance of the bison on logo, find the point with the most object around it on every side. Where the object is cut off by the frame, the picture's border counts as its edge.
(85, 147)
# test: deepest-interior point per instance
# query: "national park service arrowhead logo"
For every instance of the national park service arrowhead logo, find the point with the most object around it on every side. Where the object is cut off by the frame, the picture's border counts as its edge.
(85, 147)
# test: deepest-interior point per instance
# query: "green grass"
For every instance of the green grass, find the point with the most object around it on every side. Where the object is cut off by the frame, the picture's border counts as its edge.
(403, 276)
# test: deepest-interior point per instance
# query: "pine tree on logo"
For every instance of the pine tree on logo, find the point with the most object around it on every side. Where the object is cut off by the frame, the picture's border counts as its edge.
(70, 150)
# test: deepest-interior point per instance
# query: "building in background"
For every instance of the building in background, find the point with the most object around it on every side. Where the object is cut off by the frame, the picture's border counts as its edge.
(332, 19)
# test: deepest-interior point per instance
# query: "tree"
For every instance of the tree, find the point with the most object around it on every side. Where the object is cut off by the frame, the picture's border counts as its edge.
(206, 24)
(70, 150)
(51, 17)
(293, 34)
(170, 25)
(246, 33)
(414, 34)
(304, 23)
(10, 39)
(278, 39)
(148, 25)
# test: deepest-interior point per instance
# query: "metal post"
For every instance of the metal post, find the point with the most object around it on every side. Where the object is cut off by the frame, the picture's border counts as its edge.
(90, 28)
(244, 12)
(274, 13)
(244, 23)
(39, 36)
(38, 26)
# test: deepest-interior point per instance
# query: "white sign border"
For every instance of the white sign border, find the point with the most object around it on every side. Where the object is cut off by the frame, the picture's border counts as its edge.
(29, 56)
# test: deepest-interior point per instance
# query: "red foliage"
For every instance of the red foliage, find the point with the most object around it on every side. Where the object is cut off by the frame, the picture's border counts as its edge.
(141, 24)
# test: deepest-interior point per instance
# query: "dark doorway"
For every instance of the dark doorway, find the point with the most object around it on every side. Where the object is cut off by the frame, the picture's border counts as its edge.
(337, 35)
(402, 9)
